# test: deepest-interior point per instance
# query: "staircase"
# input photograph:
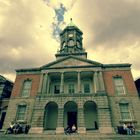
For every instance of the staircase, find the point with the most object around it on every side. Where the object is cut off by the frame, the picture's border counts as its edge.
(90, 136)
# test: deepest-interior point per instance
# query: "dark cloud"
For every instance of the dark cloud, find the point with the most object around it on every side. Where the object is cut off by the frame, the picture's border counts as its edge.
(16, 27)
(116, 21)
(109, 26)
(18, 45)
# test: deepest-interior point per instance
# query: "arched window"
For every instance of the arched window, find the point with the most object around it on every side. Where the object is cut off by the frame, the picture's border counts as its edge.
(26, 88)
(71, 43)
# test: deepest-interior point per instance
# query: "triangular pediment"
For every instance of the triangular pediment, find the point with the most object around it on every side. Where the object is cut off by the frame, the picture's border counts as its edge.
(71, 61)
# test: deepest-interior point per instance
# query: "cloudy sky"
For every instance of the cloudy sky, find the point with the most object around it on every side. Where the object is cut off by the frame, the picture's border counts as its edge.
(29, 31)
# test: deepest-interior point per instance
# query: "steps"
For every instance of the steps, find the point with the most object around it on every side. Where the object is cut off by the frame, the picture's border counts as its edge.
(68, 137)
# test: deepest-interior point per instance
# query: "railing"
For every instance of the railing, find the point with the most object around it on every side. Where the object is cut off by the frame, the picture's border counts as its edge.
(71, 95)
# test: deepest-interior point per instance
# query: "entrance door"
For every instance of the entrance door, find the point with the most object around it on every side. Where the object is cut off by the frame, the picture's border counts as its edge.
(72, 118)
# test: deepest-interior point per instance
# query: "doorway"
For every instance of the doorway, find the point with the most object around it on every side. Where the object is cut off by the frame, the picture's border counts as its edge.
(72, 118)
(70, 114)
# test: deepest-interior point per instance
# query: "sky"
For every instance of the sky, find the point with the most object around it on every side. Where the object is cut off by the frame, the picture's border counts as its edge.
(29, 31)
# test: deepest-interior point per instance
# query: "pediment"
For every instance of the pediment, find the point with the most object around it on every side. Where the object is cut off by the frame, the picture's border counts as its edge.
(71, 62)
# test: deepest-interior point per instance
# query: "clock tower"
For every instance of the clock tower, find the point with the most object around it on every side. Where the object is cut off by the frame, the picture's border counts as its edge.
(71, 42)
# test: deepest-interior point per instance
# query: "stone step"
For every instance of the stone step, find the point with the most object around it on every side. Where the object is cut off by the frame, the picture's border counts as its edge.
(68, 137)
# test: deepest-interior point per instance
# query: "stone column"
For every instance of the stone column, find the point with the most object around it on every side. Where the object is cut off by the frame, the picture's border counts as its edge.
(101, 81)
(60, 121)
(81, 121)
(44, 88)
(96, 82)
(79, 82)
(62, 83)
(48, 84)
(40, 83)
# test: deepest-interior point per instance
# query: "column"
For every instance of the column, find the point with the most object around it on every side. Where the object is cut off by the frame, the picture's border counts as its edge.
(62, 83)
(81, 121)
(101, 81)
(44, 88)
(48, 84)
(79, 82)
(60, 120)
(96, 82)
(40, 83)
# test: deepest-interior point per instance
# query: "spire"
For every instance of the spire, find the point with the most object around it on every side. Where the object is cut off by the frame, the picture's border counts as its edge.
(71, 23)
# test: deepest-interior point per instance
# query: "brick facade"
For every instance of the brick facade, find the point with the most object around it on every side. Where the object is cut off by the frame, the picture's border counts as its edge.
(74, 90)
(128, 81)
(19, 83)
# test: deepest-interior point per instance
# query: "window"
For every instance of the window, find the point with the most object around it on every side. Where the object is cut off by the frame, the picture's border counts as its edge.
(21, 112)
(70, 43)
(124, 110)
(119, 85)
(86, 88)
(57, 89)
(26, 88)
(71, 88)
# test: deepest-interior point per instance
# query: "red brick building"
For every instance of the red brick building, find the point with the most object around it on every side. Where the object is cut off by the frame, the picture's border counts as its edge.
(74, 90)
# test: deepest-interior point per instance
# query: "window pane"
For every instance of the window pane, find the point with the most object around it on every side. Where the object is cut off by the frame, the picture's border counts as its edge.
(125, 114)
(71, 88)
(57, 89)
(21, 112)
(86, 88)
(119, 85)
(26, 88)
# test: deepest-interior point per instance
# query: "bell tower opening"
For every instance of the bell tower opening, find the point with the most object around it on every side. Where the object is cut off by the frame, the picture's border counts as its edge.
(71, 42)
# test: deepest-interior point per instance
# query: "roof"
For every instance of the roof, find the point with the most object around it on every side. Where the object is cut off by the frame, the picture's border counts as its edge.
(71, 26)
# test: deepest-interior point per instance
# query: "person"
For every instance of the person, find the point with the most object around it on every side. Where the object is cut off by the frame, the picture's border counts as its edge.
(131, 129)
(67, 130)
(73, 128)
(16, 128)
(127, 129)
(10, 129)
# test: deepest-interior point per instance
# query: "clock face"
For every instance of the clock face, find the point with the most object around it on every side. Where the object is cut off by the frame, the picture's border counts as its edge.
(70, 35)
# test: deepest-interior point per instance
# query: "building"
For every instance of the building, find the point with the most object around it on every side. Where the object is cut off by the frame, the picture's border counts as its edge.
(137, 83)
(74, 90)
(5, 93)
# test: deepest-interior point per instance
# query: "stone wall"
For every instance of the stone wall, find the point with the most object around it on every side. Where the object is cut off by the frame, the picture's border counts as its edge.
(12, 110)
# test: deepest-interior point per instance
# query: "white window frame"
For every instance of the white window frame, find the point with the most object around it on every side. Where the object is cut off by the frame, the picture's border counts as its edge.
(125, 111)
(28, 90)
(18, 117)
(84, 87)
(71, 88)
(55, 89)
(119, 85)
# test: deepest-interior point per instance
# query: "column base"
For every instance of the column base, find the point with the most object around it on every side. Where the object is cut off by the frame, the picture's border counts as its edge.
(59, 130)
(38, 130)
(81, 130)
(106, 130)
